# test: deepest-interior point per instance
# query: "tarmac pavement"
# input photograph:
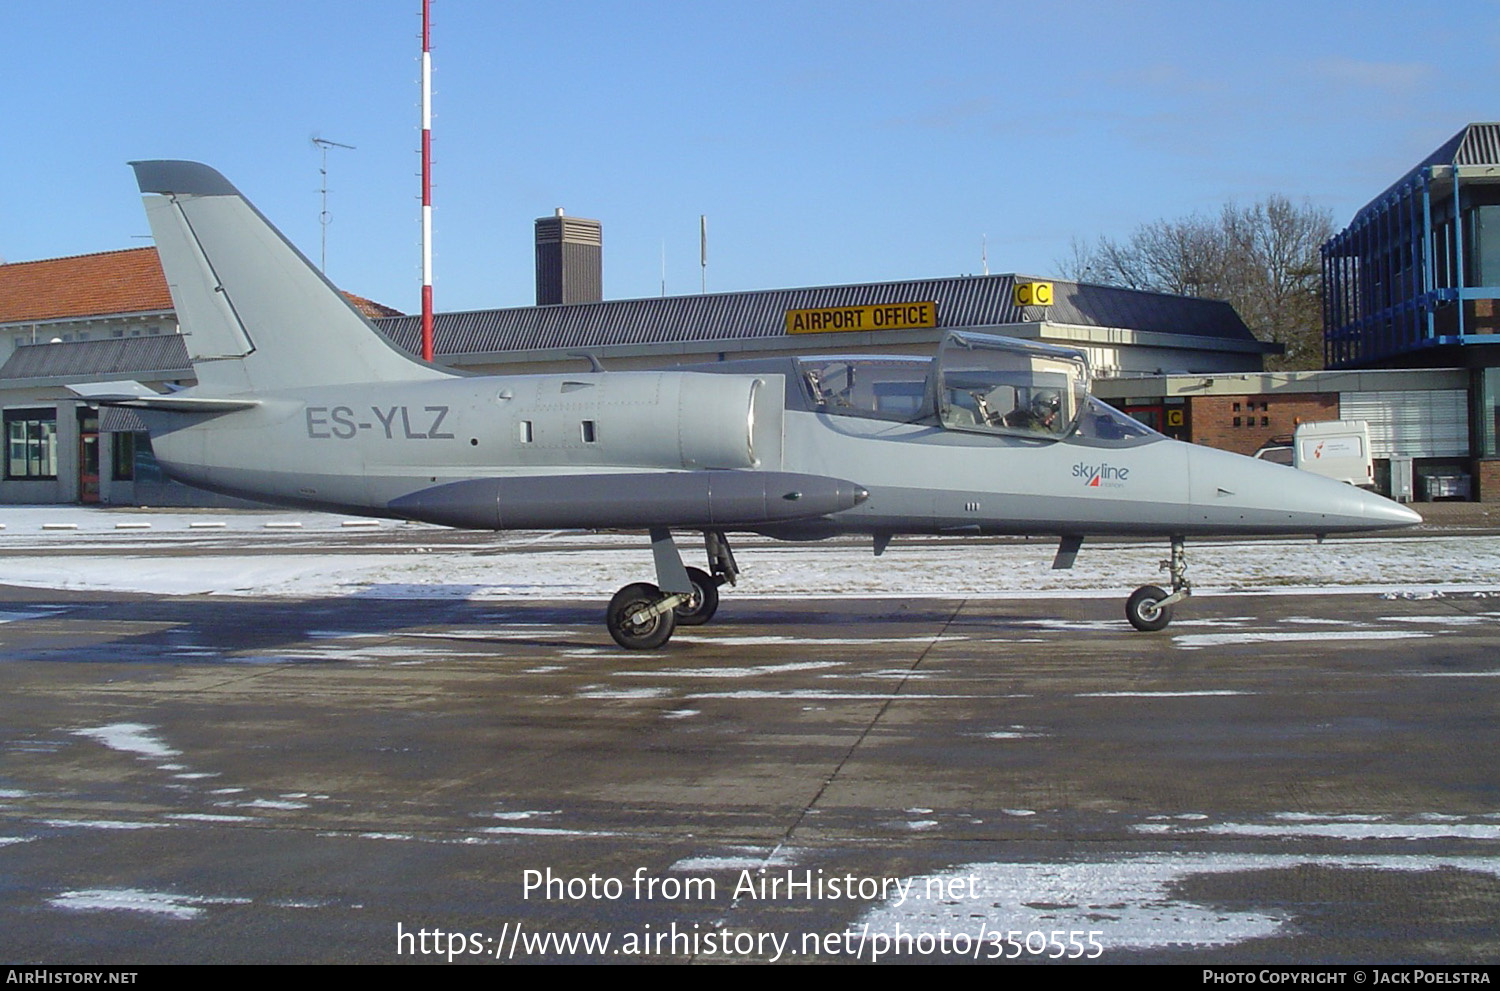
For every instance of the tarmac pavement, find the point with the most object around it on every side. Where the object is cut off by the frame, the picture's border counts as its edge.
(1275, 778)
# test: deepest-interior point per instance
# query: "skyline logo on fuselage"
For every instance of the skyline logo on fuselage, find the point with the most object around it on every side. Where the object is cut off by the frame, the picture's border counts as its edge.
(1104, 476)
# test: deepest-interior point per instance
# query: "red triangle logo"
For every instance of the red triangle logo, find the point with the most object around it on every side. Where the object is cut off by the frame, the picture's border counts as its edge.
(1094, 482)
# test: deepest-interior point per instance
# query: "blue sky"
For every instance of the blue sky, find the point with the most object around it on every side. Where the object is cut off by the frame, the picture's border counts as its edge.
(826, 141)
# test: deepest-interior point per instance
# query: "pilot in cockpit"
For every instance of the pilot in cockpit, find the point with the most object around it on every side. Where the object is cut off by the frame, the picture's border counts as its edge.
(1039, 415)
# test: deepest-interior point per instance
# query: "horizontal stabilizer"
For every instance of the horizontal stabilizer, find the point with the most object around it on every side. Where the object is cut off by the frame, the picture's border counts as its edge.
(685, 499)
(134, 395)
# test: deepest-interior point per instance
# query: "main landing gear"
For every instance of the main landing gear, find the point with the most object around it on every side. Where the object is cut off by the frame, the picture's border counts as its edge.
(642, 616)
(1149, 607)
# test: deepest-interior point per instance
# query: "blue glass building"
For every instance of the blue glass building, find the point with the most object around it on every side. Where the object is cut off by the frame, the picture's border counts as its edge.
(1414, 280)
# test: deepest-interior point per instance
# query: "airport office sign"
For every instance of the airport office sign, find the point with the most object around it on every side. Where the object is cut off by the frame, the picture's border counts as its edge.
(852, 319)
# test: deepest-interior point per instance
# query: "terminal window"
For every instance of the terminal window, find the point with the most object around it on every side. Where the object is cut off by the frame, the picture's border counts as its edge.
(31, 444)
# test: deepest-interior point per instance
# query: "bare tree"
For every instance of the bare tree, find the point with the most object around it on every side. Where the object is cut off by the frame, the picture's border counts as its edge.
(1262, 259)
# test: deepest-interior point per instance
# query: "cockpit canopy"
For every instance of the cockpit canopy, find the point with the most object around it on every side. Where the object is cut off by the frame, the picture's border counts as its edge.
(999, 385)
(979, 383)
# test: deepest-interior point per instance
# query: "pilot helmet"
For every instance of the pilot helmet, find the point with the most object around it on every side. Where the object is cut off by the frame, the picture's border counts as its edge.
(1045, 401)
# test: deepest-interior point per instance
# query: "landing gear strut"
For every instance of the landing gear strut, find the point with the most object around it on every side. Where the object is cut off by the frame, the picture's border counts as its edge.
(642, 616)
(1149, 607)
(705, 601)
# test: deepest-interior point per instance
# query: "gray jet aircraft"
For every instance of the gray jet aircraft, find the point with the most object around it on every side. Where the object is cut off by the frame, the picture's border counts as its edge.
(301, 402)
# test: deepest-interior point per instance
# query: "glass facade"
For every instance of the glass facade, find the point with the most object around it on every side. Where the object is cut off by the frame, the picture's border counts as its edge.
(1419, 267)
(31, 444)
(1484, 245)
(1486, 429)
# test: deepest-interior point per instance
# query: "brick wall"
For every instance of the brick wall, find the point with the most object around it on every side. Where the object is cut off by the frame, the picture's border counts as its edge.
(1486, 472)
(1243, 423)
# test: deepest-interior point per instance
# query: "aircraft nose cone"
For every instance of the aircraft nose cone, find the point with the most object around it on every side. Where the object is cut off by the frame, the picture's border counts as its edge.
(1386, 512)
(1268, 498)
(1331, 506)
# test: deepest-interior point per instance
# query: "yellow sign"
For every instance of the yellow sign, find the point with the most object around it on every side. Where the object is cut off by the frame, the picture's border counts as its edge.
(852, 319)
(1033, 294)
(1174, 417)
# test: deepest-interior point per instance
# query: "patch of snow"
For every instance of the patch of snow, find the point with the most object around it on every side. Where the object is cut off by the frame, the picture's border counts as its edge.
(134, 900)
(1131, 901)
(132, 738)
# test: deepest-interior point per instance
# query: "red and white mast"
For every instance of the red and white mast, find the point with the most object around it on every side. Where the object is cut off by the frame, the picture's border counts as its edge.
(426, 180)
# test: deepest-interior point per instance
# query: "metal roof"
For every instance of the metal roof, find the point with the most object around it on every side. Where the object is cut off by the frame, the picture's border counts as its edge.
(162, 354)
(966, 301)
(1476, 144)
(970, 301)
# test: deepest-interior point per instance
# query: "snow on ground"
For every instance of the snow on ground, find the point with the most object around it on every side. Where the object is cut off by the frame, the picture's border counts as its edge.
(1130, 902)
(311, 554)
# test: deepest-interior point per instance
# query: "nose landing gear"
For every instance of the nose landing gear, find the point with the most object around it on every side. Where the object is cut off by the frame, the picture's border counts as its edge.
(1149, 607)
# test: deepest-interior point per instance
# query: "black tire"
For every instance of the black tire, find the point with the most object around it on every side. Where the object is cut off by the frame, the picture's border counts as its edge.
(1142, 610)
(646, 636)
(704, 603)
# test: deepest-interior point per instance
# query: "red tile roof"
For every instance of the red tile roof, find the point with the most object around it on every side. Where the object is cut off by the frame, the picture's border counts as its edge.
(83, 286)
(371, 309)
(106, 284)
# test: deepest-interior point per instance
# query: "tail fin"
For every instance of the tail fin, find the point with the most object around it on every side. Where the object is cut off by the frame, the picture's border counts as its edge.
(255, 314)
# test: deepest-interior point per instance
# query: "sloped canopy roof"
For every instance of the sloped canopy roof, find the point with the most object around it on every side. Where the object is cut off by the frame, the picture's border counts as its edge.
(160, 356)
(962, 302)
(966, 301)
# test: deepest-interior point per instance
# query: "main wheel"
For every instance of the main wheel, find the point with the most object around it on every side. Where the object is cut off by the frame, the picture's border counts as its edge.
(705, 601)
(647, 635)
(1144, 613)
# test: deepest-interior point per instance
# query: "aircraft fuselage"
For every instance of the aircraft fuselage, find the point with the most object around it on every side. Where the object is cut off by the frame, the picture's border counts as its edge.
(361, 448)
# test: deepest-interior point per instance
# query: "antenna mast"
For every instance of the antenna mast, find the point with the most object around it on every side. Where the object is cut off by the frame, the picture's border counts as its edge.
(323, 145)
(426, 180)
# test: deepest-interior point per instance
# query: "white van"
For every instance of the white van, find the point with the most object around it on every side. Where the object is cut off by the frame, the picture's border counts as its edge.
(1338, 449)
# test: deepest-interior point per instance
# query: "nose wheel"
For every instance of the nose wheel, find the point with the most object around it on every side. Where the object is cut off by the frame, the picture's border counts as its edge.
(1145, 611)
(1149, 607)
